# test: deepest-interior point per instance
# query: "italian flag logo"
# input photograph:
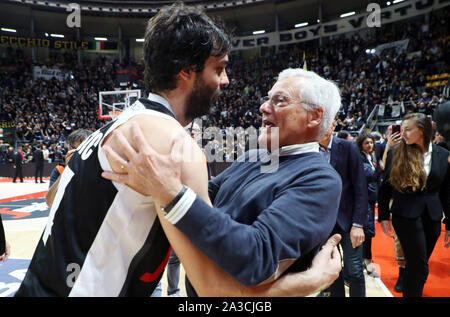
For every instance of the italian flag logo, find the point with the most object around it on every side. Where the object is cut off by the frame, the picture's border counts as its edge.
(98, 46)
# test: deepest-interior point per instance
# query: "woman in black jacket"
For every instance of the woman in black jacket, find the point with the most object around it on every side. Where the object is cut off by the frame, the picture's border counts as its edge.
(366, 145)
(418, 180)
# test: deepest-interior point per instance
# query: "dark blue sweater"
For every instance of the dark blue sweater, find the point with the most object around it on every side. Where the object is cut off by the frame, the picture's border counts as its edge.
(262, 223)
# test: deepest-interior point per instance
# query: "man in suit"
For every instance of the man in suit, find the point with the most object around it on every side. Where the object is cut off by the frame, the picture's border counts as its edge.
(3, 148)
(18, 158)
(10, 155)
(38, 157)
(380, 145)
(344, 156)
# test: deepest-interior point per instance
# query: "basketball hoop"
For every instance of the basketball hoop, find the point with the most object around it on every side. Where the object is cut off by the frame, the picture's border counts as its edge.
(113, 103)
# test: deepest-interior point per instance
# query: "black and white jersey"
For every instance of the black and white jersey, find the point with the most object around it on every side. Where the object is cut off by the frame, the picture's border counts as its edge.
(102, 238)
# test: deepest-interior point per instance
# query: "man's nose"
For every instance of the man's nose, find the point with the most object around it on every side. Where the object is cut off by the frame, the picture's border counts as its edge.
(265, 107)
(224, 82)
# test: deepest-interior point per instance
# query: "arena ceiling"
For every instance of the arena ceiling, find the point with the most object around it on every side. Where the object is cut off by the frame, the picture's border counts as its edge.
(244, 16)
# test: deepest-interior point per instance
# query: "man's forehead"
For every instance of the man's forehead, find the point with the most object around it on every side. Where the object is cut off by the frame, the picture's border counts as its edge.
(223, 59)
(285, 85)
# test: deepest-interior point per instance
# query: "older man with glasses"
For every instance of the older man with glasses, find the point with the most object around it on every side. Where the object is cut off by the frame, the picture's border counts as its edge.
(255, 225)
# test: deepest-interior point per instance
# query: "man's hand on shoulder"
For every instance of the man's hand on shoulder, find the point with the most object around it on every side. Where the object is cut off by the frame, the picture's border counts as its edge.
(326, 265)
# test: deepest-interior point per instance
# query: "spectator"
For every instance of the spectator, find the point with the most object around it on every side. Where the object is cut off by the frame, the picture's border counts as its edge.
(440, 140)
(18, 159)
(344, 135)
(59, 154)
(3, 151)
(372, 170)
(344, 156)
(422, 192)
(38, 157)
(10, 155)
(45, 153)
(392, 140)
(74, 140)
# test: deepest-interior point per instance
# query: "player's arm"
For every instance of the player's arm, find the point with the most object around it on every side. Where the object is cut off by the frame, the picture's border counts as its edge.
(50, 196)
(207, 278)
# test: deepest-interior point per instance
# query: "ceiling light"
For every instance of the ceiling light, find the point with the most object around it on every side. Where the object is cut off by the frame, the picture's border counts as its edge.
(259, 32)
(344, 15)
(8, 30)
(301, 24)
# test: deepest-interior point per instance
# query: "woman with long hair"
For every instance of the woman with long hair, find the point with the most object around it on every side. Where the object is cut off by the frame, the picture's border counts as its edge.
(418, 180)
(366, 145)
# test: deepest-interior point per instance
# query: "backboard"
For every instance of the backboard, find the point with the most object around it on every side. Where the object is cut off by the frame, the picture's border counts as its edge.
(112, 103)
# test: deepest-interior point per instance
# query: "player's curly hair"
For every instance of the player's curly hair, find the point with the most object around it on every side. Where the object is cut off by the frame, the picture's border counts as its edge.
(179, 37)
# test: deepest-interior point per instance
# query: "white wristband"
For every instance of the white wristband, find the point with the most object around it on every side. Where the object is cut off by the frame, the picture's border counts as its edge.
(181, 207)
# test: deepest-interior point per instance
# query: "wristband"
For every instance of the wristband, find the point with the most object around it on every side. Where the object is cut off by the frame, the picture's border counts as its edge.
(174, 201)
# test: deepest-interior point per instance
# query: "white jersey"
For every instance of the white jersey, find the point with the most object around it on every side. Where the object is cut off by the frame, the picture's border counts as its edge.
(102, 238)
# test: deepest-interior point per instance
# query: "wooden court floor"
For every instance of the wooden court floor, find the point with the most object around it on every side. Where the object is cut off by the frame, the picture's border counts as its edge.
(25, 213)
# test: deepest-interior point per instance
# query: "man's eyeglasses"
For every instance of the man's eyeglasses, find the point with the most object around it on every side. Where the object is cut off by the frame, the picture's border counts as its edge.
(277, 100)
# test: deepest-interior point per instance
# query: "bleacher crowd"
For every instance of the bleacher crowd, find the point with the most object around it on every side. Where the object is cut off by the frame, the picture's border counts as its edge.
(46, 111)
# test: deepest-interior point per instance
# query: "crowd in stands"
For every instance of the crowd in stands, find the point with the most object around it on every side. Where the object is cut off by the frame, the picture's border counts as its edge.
(46, 111)
(365, 79)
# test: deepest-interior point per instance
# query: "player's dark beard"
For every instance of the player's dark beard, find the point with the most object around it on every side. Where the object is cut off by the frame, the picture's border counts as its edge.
(200, 99)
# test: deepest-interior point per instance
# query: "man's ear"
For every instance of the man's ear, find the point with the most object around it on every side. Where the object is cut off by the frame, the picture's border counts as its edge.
(315, 117)
(185, 74)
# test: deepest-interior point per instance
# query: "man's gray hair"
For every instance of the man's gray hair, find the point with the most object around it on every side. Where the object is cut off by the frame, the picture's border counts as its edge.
(78, 136)
(316, 92)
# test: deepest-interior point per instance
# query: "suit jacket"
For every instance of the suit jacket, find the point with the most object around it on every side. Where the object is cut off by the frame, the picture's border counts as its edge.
(372, 177)
(18, 159)
(433, 199)
(38, 157)
(10, 157)
(380, 147)
(346, 160)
